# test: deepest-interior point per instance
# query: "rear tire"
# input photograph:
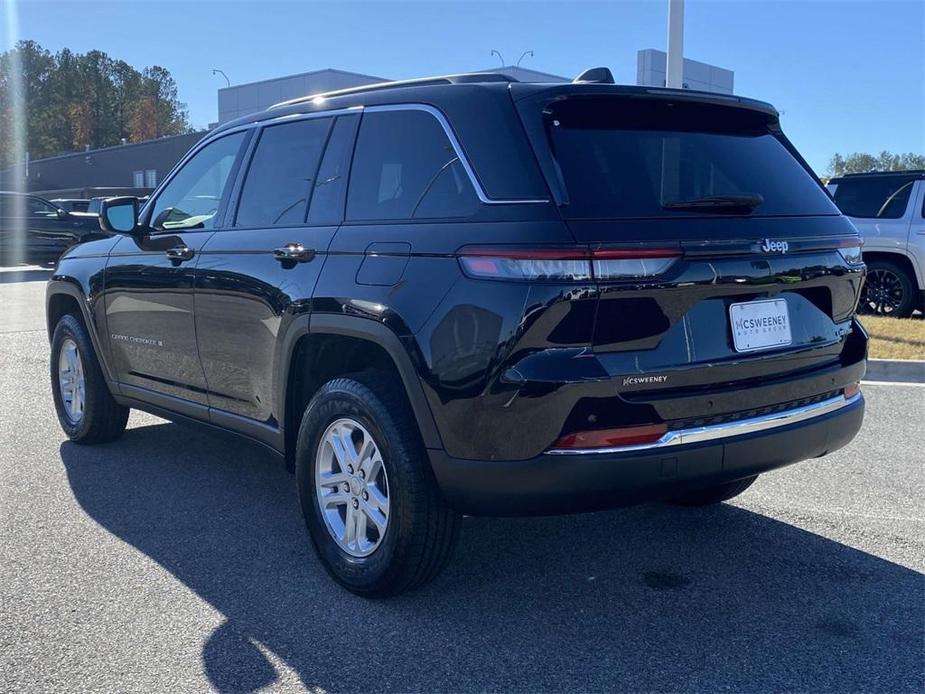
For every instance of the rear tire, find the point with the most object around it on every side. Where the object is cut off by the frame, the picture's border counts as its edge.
(86, 409)
(888, 290)
(420, 528)
(715, 495)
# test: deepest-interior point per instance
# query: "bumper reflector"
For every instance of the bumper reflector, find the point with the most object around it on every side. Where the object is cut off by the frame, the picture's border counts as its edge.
(606, 438)
(650, 440)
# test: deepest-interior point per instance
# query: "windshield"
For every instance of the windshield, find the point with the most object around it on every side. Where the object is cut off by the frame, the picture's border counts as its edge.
(622, 158)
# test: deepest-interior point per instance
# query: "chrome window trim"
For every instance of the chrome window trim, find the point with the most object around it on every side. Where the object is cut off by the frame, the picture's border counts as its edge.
(727, 429)
(268, 122)
(457, 147)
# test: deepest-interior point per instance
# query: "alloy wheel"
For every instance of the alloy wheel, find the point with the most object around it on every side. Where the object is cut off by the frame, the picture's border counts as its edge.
(883, 292)
(71, 381)
(352, 487)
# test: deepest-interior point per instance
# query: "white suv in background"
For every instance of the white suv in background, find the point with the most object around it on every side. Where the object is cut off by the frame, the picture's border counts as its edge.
(888, 208)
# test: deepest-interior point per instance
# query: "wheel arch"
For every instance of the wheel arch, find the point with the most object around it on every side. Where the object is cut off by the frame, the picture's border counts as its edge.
(64, 296)
(900, 259)
(322, 346)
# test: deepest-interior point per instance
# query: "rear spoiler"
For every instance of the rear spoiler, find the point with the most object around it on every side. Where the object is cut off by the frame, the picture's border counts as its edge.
(521, 91)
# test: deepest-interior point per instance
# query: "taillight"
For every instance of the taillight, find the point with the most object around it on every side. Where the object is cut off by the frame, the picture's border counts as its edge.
(850, 251)
(554, 264)
(612, 438)
(620, 263)
(565, 264)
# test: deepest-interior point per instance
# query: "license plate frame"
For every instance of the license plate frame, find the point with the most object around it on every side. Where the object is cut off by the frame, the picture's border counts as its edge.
(760, 325)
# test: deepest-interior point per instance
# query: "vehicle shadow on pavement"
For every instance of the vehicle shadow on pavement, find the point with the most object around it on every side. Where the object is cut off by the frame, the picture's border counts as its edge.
(646, 598)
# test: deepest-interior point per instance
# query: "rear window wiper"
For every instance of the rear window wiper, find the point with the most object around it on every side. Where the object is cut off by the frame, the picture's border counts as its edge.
(713, 203)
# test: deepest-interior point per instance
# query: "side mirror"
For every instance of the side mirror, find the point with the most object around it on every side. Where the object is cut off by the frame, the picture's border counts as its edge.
(62, 214)
(119, 215)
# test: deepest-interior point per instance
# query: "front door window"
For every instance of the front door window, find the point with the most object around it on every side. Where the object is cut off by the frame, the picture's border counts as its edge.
(191, 199)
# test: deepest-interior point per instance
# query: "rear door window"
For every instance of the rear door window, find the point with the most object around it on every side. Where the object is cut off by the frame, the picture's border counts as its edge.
(327, 204)
(282, 173)
(620, 158)
(406, 168)
(874, 197)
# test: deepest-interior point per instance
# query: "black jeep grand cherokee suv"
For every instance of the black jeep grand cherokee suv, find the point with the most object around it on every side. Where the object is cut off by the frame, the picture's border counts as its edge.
(471, 295)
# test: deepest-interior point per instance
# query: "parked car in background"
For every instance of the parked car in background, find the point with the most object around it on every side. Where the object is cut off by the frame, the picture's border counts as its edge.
(46, 230)
(468, 295)
(71, 204)
(888, 208)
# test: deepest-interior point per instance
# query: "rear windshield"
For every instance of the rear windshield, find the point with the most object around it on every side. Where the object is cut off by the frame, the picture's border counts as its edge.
(621, 158)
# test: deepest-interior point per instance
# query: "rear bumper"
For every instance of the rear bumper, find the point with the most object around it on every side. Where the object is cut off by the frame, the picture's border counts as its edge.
(564, 483)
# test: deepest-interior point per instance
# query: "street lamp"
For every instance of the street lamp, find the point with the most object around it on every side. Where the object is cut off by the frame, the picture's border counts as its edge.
(674, 73)
(216, 71)
(523, 55)
(500, 57)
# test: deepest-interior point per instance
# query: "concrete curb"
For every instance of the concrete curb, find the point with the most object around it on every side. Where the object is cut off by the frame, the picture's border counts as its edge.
(896, 370)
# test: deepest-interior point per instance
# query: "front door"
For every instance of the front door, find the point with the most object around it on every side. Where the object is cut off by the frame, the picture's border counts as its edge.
(149, 280)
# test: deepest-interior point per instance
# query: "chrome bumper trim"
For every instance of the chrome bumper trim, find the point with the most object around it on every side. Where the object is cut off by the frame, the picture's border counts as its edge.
(725, 430)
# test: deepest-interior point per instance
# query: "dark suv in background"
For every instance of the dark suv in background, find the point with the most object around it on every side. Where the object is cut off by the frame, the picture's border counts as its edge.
(472, 295)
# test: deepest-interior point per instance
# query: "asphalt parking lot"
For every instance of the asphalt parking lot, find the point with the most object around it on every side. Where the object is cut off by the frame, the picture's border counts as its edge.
(175, 559)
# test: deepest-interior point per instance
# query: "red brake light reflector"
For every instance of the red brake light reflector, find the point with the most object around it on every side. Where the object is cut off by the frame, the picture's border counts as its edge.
(612, 438)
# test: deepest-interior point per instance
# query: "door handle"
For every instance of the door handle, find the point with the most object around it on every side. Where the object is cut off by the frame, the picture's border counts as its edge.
(178, 254)
(293, 253)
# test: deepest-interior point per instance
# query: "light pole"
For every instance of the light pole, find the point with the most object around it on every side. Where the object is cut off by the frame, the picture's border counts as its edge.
(216, 71)
(523, 55)
(674, 75)
(500, 57)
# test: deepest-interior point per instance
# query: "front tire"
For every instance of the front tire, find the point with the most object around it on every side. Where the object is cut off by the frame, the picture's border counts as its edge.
(375, 514)
(716, 494)
(86, 409)
(888, 290)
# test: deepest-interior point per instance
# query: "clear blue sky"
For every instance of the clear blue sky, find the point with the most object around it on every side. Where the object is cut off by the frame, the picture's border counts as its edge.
(848, 75)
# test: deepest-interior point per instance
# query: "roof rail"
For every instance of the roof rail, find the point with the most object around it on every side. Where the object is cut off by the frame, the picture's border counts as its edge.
(907, 172)
(464, 78)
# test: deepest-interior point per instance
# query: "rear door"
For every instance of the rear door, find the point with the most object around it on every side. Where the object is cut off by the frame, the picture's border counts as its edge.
(260, 271)
(149, 281)
(917, 233)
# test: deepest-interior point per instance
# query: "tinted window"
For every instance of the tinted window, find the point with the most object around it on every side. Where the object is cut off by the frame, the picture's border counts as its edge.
(282, 173)
(191, 199)
(39, 208)
(327, 205)
(620, 158)
(883, 197)
(405, 167)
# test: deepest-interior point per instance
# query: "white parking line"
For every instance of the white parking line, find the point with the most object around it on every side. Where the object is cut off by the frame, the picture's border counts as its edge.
(893, 383)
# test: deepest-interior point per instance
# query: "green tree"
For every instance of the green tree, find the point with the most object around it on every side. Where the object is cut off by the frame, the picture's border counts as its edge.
(159, 89)
(73, 100)
(861, 162)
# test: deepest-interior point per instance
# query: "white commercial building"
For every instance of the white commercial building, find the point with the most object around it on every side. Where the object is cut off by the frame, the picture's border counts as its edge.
(651, 70)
